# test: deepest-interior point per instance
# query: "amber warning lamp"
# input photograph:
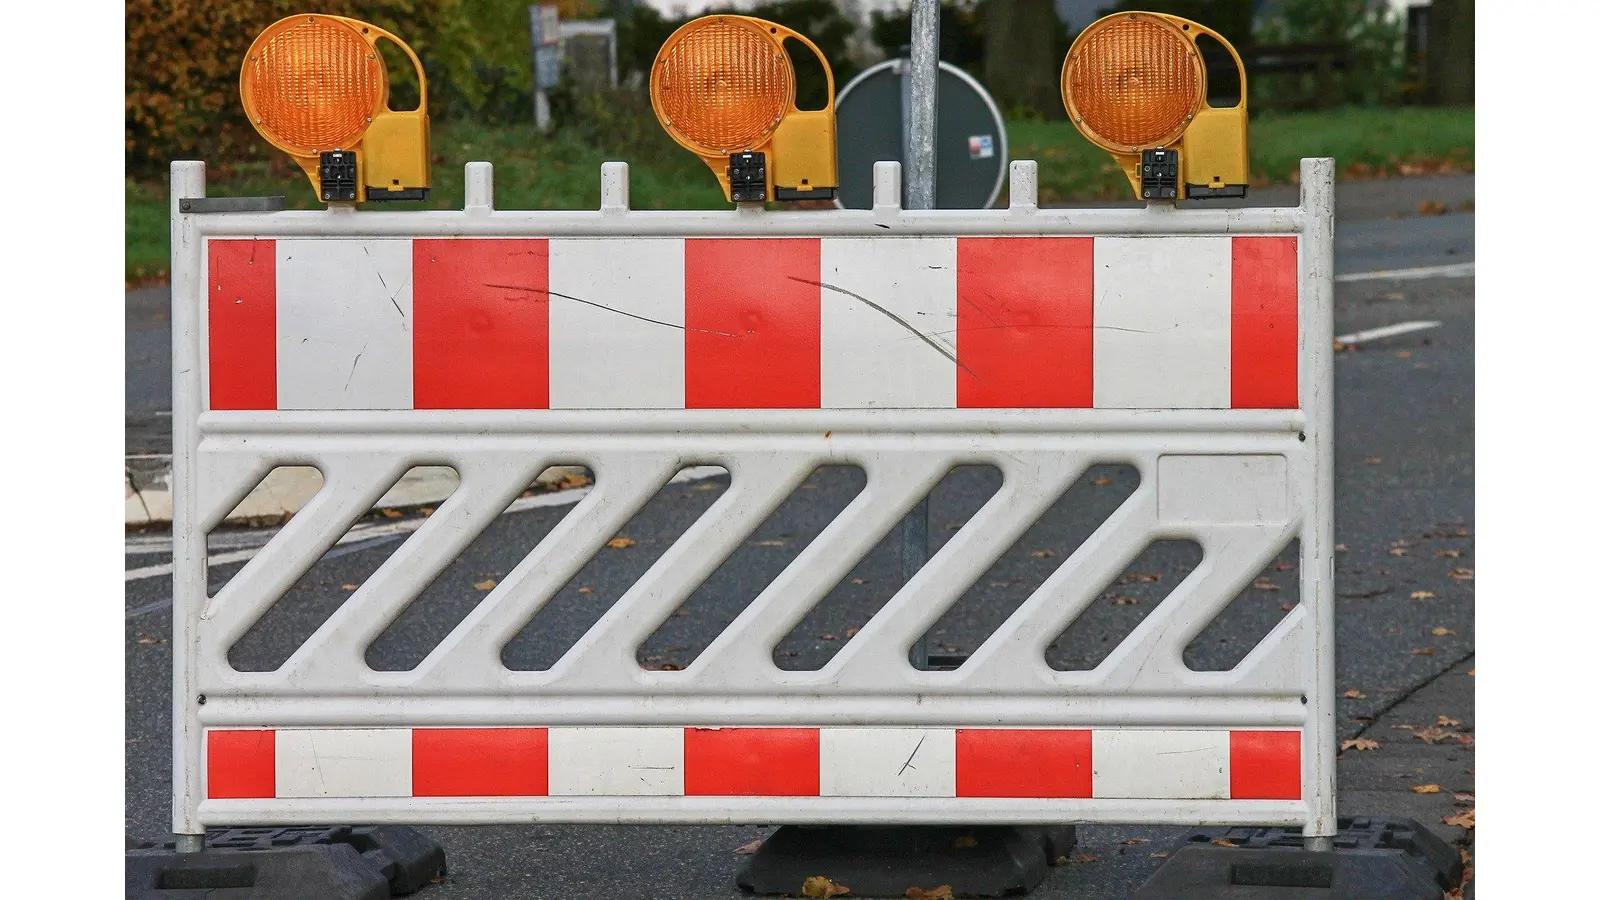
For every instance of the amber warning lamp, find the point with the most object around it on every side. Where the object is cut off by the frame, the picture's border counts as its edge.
(316, 87)
(723, 88)
(1135, 85)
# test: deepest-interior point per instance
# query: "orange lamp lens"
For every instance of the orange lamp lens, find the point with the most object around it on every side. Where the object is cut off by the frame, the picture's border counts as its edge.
(1133, 82)
(722, 86)
(312, 83)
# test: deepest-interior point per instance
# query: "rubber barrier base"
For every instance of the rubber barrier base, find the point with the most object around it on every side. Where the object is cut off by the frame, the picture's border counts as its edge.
(1372, 859)
(329, 863)
(886, 861)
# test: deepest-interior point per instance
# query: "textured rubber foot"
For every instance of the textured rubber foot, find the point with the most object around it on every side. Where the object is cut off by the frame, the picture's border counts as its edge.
(885, 861)
(337, 863)
(1372, 859)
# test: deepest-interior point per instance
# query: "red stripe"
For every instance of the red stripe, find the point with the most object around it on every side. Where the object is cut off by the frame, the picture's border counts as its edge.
(241, 764)
(994, 762)
(481, 310)
(752, 762)
(1025, 322)
(1266, 323)
(753, 317)
(243, 324)
(480, 762)
(1264, 765)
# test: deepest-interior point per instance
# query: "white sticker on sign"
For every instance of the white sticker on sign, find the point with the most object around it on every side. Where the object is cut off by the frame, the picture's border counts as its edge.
(980, 146)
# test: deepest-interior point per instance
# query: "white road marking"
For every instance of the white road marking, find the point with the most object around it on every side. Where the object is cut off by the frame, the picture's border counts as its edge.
(1454, 270)
(374, 531)
(1387, 331)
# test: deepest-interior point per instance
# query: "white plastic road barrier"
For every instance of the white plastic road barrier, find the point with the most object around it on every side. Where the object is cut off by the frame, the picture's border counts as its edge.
(1194, 345)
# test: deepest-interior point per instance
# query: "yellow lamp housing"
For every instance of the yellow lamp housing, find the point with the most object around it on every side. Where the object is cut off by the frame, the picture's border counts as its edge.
(316, 87)
(1134, 84)
(723, 88)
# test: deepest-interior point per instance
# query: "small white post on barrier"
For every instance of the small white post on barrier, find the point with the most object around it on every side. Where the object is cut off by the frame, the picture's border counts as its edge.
(614, 188)
(1024, 185)
(886, 187)
(480, 187)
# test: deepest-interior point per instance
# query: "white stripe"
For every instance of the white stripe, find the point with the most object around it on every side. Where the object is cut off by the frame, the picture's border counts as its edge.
(888, 762)
(1163, 318)
(344, 324)
(1373, 334)
(868, 358)
(616, 324)
(616, 762)
(346, 762)
(1454, 270)
(1161, 765)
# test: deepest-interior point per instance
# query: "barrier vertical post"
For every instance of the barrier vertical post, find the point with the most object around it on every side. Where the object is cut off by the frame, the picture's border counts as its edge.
(188, 535)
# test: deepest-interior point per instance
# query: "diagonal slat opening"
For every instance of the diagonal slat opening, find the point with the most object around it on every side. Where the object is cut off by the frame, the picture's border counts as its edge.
(1249, 617)
(1122, 604)
(1044, 547)
(339, 571)
(620, 562)
(834, 621)
(466, 581)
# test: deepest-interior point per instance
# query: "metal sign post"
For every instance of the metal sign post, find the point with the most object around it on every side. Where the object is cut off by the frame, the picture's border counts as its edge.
(544, 31)
(921, 137)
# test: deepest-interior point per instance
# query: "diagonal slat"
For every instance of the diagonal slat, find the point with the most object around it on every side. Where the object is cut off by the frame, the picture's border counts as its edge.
(1013, 656)
(1152, 655)
(883, 644)
(470, 655)
(335, 654)
(605, 655)
(352, 484)
(742, 653)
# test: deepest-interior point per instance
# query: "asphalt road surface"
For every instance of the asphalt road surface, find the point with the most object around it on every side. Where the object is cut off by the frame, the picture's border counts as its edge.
(1404, 476)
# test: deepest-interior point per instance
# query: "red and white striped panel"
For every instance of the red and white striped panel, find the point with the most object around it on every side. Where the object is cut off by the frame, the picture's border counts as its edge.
(1207, 322)
(618, 761)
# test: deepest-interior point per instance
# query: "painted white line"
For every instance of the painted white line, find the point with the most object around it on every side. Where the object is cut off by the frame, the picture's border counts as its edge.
(362, 533)
(1454, 270)
(1387, 331)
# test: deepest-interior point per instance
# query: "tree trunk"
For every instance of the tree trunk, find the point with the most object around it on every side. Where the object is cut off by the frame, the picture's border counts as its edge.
(1449, 53)
(1021, 65)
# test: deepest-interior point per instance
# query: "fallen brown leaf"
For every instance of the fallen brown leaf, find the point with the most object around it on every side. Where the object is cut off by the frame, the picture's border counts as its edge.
(391, 513)
(1340, 548)
(1431, 208)
(1441, 631)
(770, 543)
(1132, 841)
(1085, 858)
(485, 585)
(1354, 694)
(349, 587)
(425, 510)
(152, 640)
(1399, 551)
(1223, 842)
(828, 637)
(1374, 460)
(1472, 672)
(1041, 554)
(821, 888)
(1464, 820)
(858, 581)
(1262, 584)
(1424, 789)
(1447, 554)
(1402, 354)
(1465, 799)
(1461, 574)
(1422, 595)
(851, 632)
(1359, 744)
(1283, 566)
(1286, 606)
(1125, 601)
(1102, 481)
(966, 842)
(1447, 722)
(621, 542)
(747, 849)
(706, 487)
(1422, 651)
(1159, 854)
(942, 892)
(1145, 577)
(586, 590)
